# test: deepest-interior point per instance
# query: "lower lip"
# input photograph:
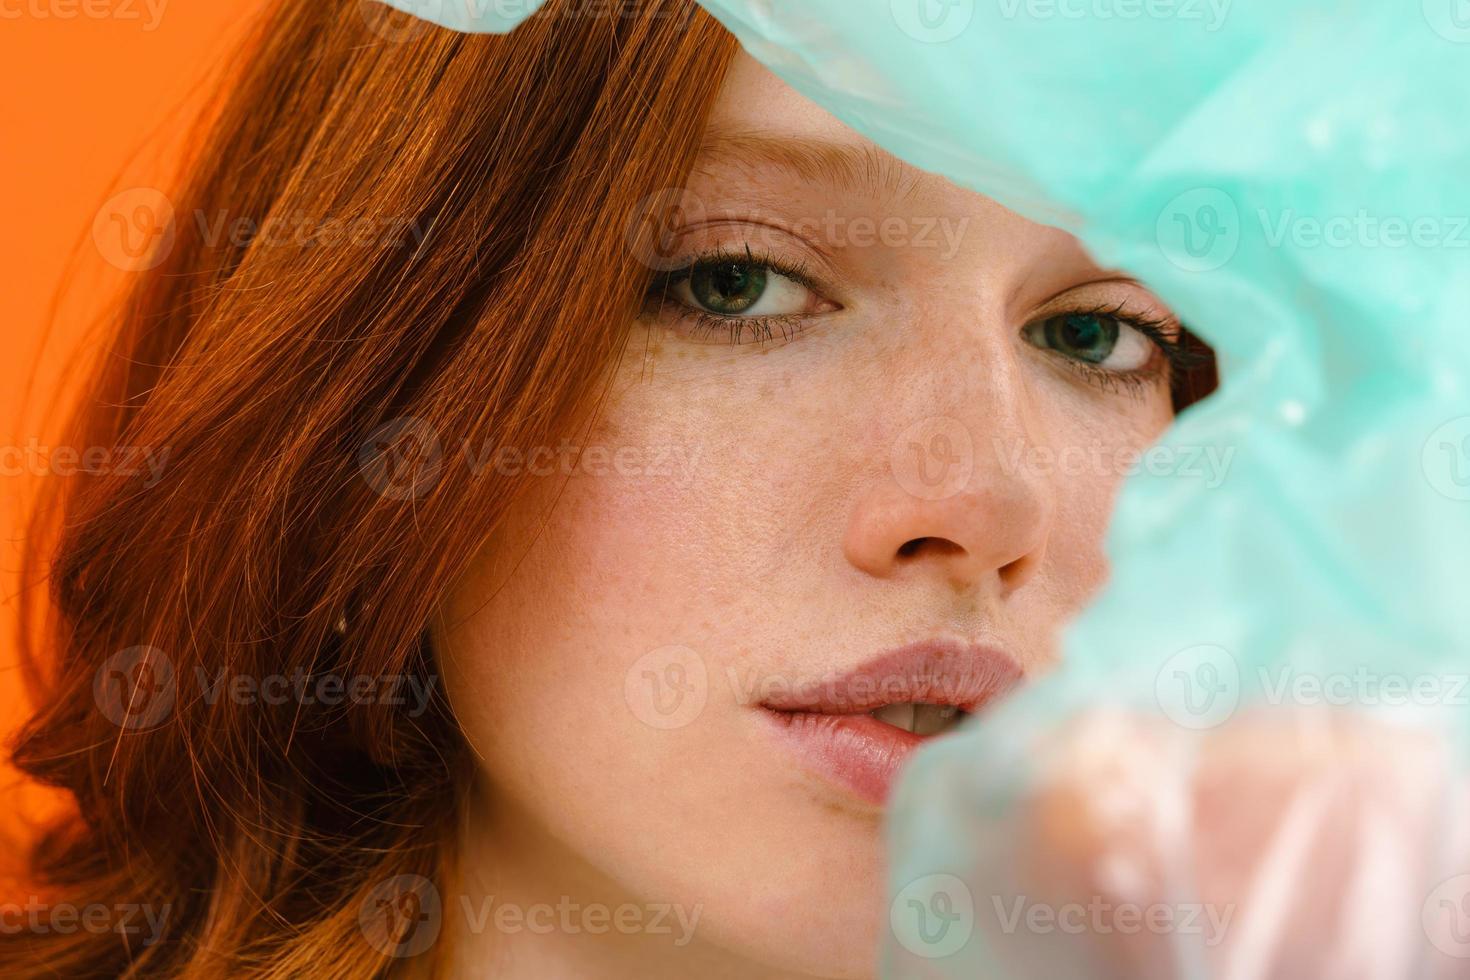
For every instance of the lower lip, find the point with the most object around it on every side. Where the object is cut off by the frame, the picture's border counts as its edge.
(856, 752)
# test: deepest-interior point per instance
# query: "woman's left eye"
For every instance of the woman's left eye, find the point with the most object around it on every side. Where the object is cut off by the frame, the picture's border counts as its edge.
(1097, 340)
(741, 289)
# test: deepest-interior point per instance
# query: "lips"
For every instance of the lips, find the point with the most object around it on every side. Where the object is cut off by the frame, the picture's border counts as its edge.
(856, 730)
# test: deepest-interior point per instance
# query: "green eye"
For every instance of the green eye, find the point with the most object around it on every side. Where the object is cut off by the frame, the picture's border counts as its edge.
(737, 288)
(1086, 337)
(1094, 339)
(727, 288)
(742, 294)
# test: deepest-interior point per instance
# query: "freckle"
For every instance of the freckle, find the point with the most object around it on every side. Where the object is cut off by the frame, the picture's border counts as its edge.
(608, 428)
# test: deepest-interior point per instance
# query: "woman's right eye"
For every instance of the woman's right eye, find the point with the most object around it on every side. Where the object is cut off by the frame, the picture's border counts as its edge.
(729, 288)
(744, 295)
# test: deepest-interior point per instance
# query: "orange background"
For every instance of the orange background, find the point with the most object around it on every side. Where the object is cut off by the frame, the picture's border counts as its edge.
(99, 97)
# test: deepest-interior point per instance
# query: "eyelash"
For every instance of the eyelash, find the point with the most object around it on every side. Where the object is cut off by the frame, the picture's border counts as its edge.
(704, 323)
(1165, 333)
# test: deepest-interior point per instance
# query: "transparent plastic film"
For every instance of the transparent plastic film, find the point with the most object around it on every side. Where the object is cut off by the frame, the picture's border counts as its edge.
(473, 16)
(1251, 759)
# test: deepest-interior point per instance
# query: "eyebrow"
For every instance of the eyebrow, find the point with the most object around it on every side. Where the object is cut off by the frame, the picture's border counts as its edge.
(862, 166)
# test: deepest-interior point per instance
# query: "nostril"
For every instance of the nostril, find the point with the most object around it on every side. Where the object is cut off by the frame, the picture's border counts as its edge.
(934, 546)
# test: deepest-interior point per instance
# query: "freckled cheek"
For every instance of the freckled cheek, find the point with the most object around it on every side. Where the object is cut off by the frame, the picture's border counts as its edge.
(1076, 544)
(556, 615)
(729, 513)
(1095, 451)
(683, 551)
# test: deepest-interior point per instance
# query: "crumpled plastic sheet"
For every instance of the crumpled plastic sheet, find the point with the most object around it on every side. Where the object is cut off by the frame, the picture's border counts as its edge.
(475, 16)
(1253, 760)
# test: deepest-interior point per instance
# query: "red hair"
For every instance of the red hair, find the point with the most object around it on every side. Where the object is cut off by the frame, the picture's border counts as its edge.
(506, 177)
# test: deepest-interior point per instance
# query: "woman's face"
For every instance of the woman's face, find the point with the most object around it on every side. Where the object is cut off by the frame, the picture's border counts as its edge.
(863, 456)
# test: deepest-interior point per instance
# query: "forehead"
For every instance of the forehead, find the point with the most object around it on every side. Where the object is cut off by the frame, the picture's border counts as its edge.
(769, 135)
(754, 98)
(758, 120)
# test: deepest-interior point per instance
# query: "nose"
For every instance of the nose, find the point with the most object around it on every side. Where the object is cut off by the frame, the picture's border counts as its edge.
(957, 504)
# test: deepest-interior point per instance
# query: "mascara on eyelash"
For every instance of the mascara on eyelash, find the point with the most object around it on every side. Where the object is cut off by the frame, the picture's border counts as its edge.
(704, 323)
(1180, 351)
(797, 271)
(1179, 355)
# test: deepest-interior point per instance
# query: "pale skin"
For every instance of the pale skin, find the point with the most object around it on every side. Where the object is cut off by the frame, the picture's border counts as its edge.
(794, 543)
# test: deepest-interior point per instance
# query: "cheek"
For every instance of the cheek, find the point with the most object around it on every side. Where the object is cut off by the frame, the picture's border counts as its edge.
(712, 529)
(676, 520)
(1092, 445)
(555, 613)
(695, 551)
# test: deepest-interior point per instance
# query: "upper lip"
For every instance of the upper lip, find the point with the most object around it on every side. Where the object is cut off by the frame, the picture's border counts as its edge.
(937, 671)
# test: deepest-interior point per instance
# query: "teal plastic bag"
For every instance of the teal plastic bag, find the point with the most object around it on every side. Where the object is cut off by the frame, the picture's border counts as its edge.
(1253, 761)
(474, 16)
